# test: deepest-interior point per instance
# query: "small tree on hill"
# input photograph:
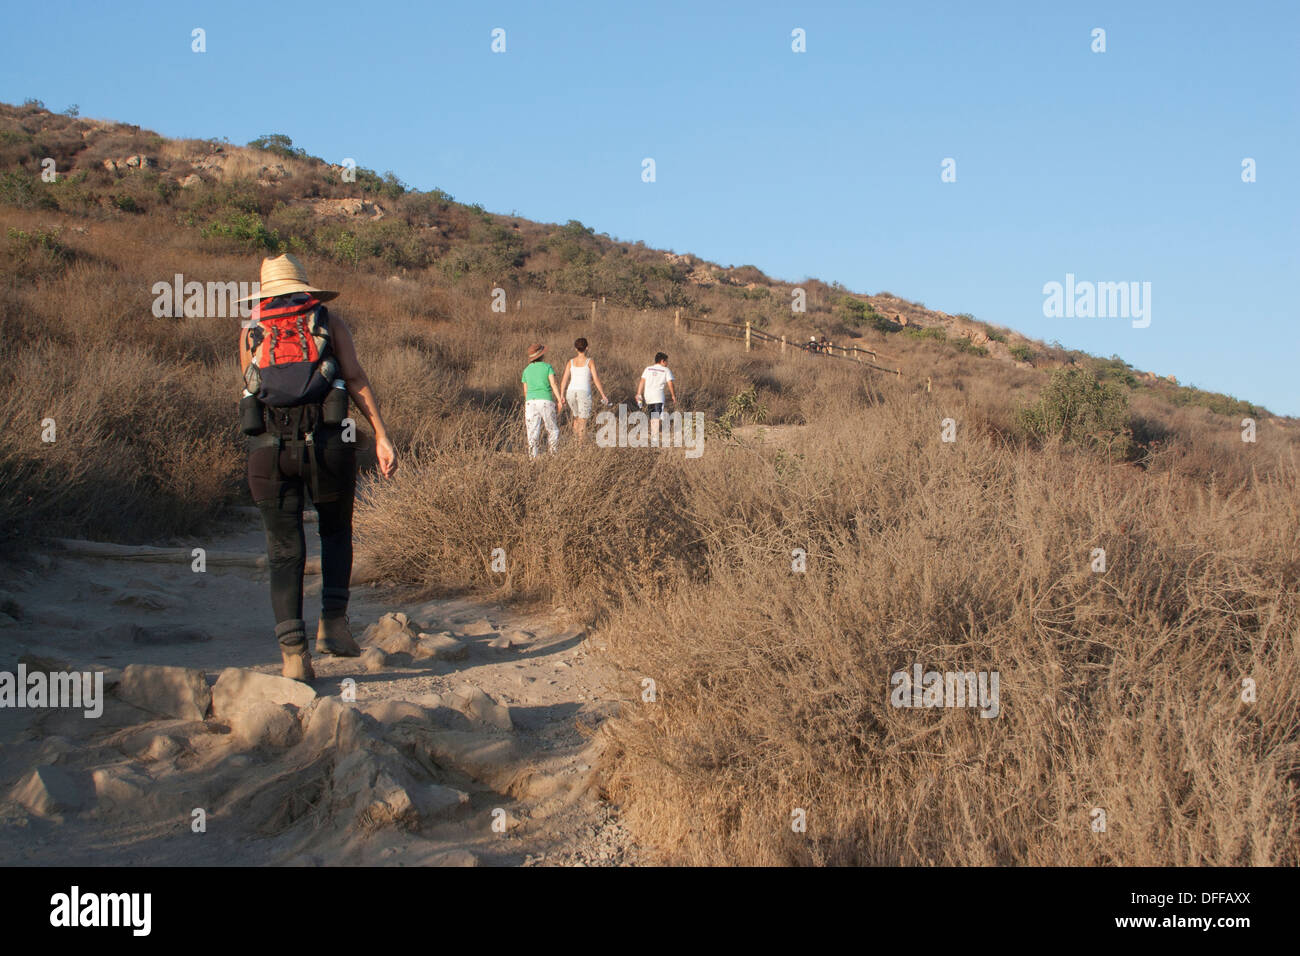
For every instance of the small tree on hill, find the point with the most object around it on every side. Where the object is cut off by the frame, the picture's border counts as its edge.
(1079, 409)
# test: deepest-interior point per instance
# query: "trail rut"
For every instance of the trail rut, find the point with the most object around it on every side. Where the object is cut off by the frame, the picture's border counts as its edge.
(407, 773)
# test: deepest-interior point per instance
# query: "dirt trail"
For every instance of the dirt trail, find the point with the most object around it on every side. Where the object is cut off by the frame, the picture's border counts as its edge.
(419, 769)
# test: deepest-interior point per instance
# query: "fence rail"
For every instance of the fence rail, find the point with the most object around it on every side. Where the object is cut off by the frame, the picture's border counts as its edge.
(750, 336)
(745, 334)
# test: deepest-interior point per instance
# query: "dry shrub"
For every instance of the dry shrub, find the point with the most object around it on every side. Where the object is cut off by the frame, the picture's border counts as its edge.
(580, 530)
(1119, 690)
(139, 449)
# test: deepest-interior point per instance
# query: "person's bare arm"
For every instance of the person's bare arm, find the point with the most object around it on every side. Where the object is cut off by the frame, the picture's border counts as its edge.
(595, 380)
(362, 393)
(564, 382)
(559, 396)
(640, 389)
(672, 391)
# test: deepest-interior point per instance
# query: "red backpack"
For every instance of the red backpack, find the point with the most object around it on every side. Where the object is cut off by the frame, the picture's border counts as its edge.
(293, 363)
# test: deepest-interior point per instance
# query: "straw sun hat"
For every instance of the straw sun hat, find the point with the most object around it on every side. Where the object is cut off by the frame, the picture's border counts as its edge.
(536, 352)
(282, 275)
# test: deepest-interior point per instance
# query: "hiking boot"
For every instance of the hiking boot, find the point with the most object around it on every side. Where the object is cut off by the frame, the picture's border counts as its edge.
(297, 663)
(333, 636)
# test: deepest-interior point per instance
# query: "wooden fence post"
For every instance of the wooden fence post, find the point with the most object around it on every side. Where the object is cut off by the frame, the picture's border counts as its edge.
(593, 310)
(746, 336)
(927, 383)
(783, 345)
(677, 320)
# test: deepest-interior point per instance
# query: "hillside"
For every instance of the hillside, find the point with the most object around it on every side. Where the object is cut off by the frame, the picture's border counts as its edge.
(128, 210)
(269, 196)
(1122, 550)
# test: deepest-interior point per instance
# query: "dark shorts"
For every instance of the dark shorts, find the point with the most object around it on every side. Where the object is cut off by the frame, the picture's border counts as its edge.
(656, 409)
(272, 476)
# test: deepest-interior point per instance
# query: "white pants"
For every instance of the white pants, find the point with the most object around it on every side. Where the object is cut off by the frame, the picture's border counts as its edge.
(539, 413)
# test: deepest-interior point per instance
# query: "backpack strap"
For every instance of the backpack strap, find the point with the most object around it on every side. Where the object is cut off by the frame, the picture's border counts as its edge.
(319, 326)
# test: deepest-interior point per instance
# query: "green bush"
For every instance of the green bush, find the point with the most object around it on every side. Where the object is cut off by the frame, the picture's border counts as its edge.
(426, 209)
(1021, 352)
(1113, 369)
(1183, 395)
(923, 332)
(347, 249)
(279, 144)
(741, 408)
(243, 227)
(35, 255)
(1079, 409)
(858, 313)
(25, 190)
(387, 186)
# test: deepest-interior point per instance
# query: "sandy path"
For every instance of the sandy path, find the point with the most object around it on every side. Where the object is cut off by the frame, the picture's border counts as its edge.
(268, 803)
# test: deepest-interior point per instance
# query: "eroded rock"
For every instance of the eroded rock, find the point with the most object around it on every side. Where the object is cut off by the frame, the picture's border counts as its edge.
(180, 692)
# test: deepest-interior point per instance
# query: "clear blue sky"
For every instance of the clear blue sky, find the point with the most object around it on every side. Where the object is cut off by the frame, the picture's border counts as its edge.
(1115, 166)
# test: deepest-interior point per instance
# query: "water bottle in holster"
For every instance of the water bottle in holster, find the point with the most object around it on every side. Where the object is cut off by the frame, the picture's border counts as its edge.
(250, 414)
(335, 407)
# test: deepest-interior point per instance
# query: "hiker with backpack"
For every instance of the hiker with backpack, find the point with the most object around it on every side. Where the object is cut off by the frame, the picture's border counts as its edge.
(300, 365)
(579, 376)
(654, 380)
(543, 401)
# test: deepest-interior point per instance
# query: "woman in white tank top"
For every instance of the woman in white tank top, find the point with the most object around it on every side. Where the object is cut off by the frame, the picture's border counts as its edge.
(579, 376)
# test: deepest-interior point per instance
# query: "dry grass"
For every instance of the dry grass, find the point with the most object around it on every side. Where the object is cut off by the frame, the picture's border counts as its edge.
(1120, 691)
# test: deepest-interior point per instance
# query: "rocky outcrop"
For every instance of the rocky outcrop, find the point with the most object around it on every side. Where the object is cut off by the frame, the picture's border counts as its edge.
(346, 208)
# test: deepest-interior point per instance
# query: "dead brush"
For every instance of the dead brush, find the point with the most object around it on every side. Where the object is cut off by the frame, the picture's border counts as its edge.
(1121, 691)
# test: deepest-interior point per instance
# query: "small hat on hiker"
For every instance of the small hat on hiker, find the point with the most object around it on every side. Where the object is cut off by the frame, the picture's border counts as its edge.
(535, 352)
(283, 275)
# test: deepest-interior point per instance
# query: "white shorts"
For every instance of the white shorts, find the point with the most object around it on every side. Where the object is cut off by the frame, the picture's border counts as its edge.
(580, 402)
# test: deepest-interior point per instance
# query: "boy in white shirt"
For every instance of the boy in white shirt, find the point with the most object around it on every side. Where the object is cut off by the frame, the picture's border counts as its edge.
(653, 381)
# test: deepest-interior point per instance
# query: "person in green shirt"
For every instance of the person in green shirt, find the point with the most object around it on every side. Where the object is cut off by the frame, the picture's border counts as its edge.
(542, 401)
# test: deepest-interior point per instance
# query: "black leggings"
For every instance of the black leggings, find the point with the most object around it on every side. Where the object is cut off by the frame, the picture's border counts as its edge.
(280, 486)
